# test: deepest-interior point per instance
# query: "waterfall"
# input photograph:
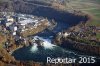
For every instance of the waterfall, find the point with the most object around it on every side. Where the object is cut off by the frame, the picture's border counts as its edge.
(34, 48)
(46, 44)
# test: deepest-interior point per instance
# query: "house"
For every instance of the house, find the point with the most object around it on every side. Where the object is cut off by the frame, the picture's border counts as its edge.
(98, 29)
(66, 34)
(7, 24)
(13, 29)
(0, 22)
(14, 33)
(10, 19)
(27, 23)
(21, 26)
(7, 21)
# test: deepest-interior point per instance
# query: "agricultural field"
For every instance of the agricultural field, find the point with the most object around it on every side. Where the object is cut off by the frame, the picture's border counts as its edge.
(90, 7)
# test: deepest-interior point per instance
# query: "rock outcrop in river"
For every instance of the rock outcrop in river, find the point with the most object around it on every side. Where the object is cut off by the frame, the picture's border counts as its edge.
(50, 13)
(90, 47)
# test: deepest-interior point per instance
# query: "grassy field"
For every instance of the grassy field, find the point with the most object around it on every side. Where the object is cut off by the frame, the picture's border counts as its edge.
(91, 7)
(96, 17)
(98, 35)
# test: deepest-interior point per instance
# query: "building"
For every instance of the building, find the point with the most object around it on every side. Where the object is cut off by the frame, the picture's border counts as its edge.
(66, 34)
(7, 21)
(98, 29)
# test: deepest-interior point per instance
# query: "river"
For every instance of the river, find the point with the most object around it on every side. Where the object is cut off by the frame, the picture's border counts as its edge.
(64, 20)
(40, 54)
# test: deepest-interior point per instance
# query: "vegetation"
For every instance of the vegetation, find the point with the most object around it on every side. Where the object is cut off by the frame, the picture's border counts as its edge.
(34, 30)
(98, 35)
(95, 19)
(1, 1)
(83, 40)
(87, 37)
(90, 7)
(2, 39)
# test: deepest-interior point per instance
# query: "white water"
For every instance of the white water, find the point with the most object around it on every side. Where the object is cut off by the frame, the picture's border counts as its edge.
(34, 48)
(46, 44)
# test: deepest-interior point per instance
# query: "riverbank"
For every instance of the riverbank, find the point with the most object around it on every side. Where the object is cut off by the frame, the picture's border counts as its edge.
(81, 38)
(82, 47)
(60, 16)
(31, 31)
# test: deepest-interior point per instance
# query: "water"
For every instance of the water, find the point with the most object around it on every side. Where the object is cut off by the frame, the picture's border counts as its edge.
(46, 45)
(40, 54)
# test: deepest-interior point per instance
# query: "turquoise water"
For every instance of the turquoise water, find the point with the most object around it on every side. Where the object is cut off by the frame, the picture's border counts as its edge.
(40, 54)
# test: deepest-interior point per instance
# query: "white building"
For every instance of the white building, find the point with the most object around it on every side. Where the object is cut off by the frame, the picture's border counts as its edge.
(8, 24)
(10, 19)
(66, 34)
(26, 21)
(14, 33)
(15, 28)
